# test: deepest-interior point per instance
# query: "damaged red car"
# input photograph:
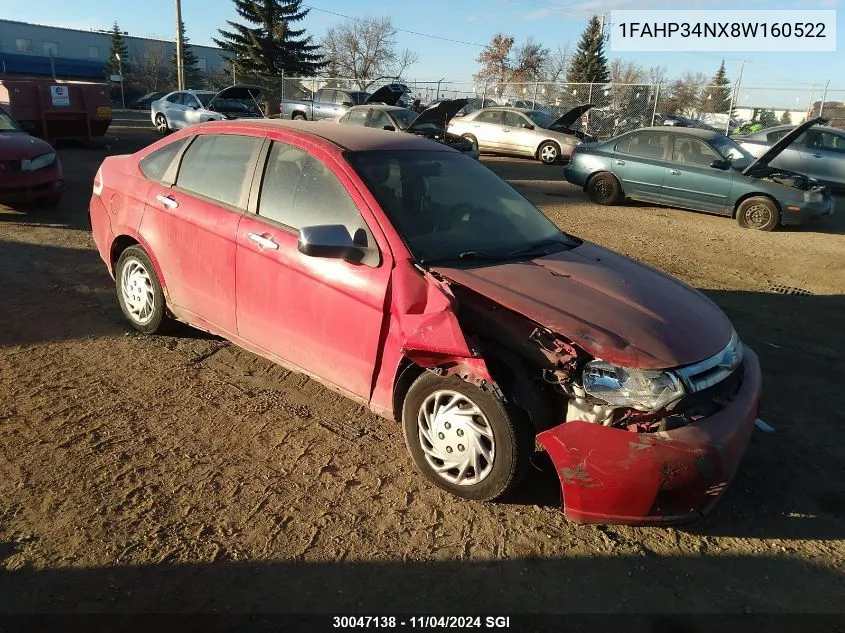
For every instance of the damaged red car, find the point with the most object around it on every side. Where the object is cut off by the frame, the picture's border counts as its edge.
(30, 170)
(412, 279)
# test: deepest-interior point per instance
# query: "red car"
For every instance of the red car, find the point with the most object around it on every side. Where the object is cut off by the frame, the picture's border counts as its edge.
(414, 280)
(30, 170)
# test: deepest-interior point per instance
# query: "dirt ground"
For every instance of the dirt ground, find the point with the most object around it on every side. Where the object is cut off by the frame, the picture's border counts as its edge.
(181, 474)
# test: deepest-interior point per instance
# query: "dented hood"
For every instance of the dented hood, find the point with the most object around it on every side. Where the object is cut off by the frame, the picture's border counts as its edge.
(614, 308)
(783, 143)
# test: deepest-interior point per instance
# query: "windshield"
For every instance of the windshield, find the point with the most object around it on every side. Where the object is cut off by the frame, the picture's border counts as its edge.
(205, 97)
(448, 206)
(540, 118)
(404, 118)
(8, 124)
(731, 150)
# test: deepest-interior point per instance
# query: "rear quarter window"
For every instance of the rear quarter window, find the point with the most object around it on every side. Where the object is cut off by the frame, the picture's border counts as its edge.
(155, 165)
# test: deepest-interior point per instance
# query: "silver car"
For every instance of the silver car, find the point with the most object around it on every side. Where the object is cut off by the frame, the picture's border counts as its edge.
(522, 132)
(819, 152)
(184, 108)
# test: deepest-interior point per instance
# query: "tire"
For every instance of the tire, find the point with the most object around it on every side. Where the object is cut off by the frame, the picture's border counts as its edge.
(603, 188)
(299, 117)
(548, 152)
(758, 213)
(162, 126)
(135, 276)
(505, 436)
(471, 139)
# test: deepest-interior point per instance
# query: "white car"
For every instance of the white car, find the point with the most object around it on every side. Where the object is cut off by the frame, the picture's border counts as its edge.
(184, 108)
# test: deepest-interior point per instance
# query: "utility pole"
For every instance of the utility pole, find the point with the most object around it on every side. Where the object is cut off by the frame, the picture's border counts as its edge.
(735, 95)
(180, 65)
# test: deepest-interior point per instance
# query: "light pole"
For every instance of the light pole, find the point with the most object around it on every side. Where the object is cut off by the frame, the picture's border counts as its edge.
(180, 53)
(120, 73)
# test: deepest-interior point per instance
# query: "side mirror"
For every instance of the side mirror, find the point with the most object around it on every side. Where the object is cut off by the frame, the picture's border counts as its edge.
(330, 241)
(528, 126)
(389, 128)
(348, 104)
(720, 163)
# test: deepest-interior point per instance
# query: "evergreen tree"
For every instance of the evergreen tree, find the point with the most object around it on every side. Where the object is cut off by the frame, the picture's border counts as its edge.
(589, 64)
(271, 47)
(768, 118)
(717, 97)
(786, 118)
(118, 47)
(193, 75)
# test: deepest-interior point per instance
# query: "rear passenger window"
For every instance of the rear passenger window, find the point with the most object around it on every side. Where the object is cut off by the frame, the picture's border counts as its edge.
(299, 190)
(155, 165)
(647, 145)
(219, 166)
(357, 117)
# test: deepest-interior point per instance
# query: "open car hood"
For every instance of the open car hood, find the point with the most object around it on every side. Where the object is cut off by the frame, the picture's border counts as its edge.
(782, 144)
(439, 114)
(569, 117)
(238, 92)
(389, 94)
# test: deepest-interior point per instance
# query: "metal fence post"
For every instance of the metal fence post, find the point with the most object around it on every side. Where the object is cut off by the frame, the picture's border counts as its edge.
(589, 100)
(809, 111)
(534, 100)
(484, 93)
(656, 99)
(824, 97)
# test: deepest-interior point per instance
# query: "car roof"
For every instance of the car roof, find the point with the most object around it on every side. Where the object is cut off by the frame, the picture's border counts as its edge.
(686, 131)
(351, 137)
(377, 106)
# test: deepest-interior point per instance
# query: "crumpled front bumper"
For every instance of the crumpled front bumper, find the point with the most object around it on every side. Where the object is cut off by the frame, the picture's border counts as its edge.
(612, 475)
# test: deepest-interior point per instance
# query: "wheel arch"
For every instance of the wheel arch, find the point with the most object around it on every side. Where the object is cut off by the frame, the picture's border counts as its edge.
(124, 241)
(755, 194)
(548, 140)
(599, 172)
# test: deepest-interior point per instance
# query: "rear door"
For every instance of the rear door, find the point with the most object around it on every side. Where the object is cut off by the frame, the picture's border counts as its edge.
(691, 182)
(321, 315)
(640, 163)
(191, 226)
(823, 152)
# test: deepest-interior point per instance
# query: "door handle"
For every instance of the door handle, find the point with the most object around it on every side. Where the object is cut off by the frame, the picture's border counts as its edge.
(506, 130)
(674, 172)
(263, 242)
(620, 162)
(167, 201)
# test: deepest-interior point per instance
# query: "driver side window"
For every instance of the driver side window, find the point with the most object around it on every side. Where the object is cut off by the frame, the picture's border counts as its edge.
(514, 119)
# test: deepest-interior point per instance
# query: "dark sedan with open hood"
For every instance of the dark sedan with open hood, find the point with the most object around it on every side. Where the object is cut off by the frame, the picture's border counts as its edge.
(431, 123)
(700, 170)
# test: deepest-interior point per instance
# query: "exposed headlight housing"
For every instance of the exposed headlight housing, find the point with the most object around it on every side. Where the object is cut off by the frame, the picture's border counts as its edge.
(39, 162)
(642, 389)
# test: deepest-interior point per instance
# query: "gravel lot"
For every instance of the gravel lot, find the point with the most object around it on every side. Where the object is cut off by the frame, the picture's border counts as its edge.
(183, 474)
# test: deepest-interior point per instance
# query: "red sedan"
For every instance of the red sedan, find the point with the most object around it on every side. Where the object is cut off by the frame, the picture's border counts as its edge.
(30, 171)
(414, 280)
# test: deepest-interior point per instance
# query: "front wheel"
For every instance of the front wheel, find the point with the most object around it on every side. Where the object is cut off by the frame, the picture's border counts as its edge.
(471, 139)
(758, 213)
(463, 439)
(161, 124)
(548, 153)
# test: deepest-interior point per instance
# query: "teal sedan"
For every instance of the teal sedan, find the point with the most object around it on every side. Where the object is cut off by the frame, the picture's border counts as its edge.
(700, 170)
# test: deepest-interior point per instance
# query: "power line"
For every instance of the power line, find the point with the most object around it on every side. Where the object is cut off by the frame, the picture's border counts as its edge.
(435, 37)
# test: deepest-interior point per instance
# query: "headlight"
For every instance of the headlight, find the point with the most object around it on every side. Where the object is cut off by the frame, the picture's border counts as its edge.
(39, 162)
(645, 389)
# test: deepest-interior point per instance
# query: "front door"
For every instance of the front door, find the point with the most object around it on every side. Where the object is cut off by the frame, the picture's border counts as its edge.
(823, 152)
(487, 128)
(191, 227)
(322, 315)
(516, 137)
(640, 163)
(691, 182)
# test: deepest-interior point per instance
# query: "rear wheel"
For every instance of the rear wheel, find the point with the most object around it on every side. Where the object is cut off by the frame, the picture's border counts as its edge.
(548, 153)
(299, 117)
(139, 291)
(759, 213)
(604, 189)
(464, 439)
(161, 124)
(471, 139)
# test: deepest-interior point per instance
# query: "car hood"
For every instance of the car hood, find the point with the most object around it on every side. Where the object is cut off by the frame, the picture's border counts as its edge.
(570, 116)
(613, 307)
(782, 144)
(389, 94)
(439, 114)
(22, 146)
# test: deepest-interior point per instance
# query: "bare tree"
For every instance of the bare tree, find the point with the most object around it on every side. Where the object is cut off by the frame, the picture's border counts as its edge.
(365, 51)
(503, 65)
(656, 74)
(685, 94)
(626, 72)
(152, 71)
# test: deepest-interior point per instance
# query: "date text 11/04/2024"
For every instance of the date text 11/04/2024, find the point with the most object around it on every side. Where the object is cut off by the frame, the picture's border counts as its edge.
(421, 622)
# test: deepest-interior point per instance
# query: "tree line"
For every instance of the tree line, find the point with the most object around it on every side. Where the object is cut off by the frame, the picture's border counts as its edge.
(265, 45)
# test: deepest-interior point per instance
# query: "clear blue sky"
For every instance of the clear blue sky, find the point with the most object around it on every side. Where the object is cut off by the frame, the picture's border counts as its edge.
(553, 22)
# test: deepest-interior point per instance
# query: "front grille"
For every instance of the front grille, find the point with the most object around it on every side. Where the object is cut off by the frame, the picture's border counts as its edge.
(9, 166)
(709, 372)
